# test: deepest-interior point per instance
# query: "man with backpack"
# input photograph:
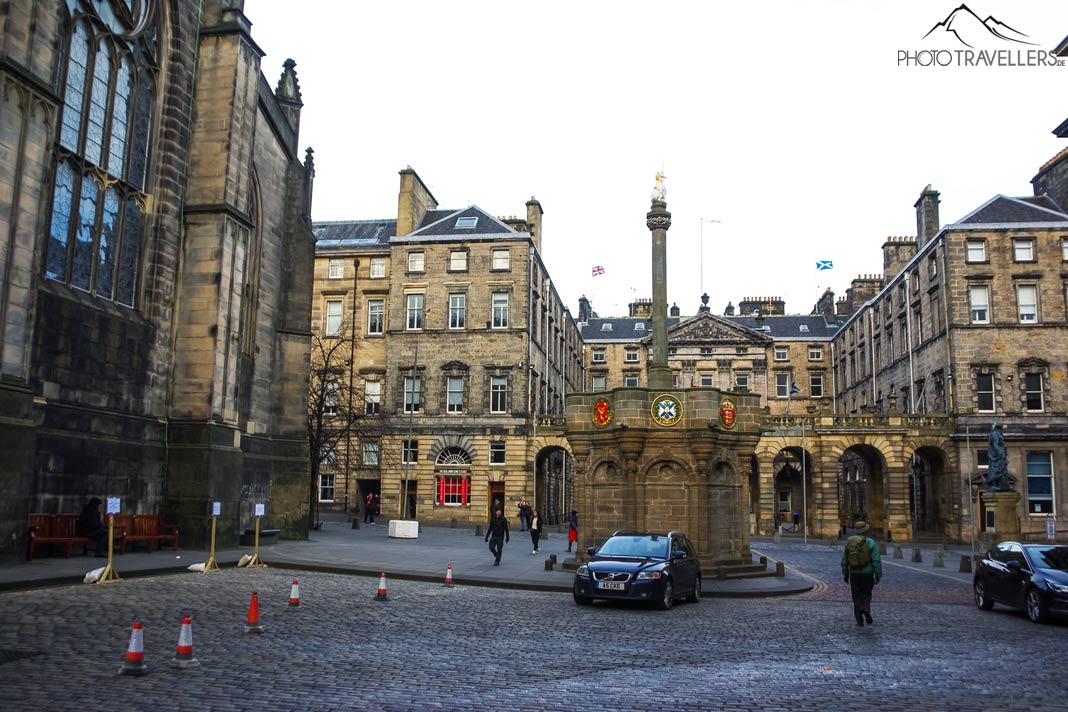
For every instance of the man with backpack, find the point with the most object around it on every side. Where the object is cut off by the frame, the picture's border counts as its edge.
(862, 569)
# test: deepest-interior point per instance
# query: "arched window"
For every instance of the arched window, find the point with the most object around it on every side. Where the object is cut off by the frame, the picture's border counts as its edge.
(98, 198)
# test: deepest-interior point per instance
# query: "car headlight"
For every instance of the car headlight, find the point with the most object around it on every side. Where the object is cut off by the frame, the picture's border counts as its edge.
(647, 575)
(1058, 587)
(583, 570)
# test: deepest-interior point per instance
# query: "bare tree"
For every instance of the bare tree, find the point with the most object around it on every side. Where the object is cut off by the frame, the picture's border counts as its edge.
(336, 410)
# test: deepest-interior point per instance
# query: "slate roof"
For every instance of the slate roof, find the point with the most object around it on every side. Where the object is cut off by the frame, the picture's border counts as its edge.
(1003, 210)
(442, 226)
(780, 328)
(351, 233)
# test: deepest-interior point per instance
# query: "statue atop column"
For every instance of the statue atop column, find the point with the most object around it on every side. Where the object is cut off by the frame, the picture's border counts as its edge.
(660, 191)
(997, 475)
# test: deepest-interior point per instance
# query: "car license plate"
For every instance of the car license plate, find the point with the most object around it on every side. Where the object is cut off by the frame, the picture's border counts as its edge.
(611, 585)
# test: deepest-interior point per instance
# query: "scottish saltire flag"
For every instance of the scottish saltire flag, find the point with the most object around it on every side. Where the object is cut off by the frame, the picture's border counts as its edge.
(824, 264)
(794, 389)
(598, 269)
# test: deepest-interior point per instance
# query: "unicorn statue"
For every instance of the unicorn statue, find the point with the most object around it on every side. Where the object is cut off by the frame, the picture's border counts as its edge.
(660, 191)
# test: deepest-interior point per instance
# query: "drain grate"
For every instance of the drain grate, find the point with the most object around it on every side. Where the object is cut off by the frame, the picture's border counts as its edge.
(10, 656)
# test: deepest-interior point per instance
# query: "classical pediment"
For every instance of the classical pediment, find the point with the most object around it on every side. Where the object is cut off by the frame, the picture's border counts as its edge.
(708, 329)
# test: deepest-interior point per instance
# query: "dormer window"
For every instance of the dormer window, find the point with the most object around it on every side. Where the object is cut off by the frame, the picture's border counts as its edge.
(803, 328)
(639, 326)
(606, 327)
(466, 223)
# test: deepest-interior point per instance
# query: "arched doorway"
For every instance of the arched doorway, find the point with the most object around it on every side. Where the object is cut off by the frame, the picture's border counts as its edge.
(452, 479)
(927, 491)
(861, 485)
(554, 484)
(793, 495)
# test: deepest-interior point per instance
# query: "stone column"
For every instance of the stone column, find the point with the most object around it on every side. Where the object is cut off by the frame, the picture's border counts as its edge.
(658, 220)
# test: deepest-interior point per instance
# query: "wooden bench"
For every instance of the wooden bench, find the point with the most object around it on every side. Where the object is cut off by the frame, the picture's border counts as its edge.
(148, 528)
(123, 526)
(48, 529)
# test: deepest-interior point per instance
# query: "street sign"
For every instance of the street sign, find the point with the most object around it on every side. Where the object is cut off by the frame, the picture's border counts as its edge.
(259, 509)
(216, 509)
(1051, 528)
(114, 505)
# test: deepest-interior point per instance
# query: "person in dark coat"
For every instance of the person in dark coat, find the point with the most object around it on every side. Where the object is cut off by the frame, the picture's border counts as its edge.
(535, 529)
(572, 530)
(497, 535)
(369, 508)
(92, 526)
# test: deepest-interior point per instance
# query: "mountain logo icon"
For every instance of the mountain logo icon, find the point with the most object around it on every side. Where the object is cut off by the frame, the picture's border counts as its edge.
(968, 29)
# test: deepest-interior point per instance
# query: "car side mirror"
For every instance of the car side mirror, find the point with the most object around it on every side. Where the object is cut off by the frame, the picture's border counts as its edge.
(679, 555)
(591, 550)
(1015, 565)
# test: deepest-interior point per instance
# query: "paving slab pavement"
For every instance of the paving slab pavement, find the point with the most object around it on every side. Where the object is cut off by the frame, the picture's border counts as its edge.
(370, 551)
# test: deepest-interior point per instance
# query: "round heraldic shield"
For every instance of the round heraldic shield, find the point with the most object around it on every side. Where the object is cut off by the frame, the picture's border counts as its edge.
(666, 410)
(602, 413)
(727, 413)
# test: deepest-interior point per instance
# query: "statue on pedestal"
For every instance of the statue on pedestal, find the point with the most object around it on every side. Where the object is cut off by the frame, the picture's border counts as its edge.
(660, 191)
(997, 475)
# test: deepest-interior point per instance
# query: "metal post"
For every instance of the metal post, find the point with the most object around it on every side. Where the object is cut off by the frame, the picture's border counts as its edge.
(411, 416)
(352, 368)
(804, 489)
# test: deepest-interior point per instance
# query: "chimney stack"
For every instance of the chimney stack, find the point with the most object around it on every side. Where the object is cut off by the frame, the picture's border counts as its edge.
(927, 224)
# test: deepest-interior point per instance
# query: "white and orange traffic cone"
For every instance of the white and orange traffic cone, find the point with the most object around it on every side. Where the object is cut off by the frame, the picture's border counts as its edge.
(183, 658)
(294, 595)
(134, 662)
(381, 595)
(448, 577)
(252, 622)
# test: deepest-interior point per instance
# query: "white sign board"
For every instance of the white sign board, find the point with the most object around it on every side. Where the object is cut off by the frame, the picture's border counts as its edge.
(216, 509)
(259, 509)
(1051, 529)
(113, 505)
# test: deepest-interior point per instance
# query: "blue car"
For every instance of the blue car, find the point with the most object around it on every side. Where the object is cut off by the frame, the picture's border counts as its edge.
(1033, 577)
(655, 568)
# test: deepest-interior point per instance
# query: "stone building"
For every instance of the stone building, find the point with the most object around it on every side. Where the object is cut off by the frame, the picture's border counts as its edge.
(462, 348)
(156, 250)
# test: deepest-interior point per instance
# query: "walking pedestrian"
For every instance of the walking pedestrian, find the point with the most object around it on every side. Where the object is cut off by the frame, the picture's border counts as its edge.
(378, 504)
(572, 530)
(369, 508)
(497, 535)
(535, 529)
(862, 569)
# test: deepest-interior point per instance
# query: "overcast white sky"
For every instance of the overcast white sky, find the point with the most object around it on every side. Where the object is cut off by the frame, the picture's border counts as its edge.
(788, 121)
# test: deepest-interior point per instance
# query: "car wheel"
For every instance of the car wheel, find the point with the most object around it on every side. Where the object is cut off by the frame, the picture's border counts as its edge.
(1036, 606)
(696, 595)
(982, 601)
(668, 598)
(579, 598)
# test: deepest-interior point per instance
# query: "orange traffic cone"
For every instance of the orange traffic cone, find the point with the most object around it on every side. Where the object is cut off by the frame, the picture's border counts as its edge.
(183, 658)
(252, 623)
(294, 595)
(381, 596)
(134, 663)
(448, 577)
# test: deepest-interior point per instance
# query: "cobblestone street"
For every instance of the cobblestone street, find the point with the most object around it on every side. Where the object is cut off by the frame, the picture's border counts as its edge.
(489, 648)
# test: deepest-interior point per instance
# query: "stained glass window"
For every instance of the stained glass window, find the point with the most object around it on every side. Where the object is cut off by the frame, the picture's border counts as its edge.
(102, 148)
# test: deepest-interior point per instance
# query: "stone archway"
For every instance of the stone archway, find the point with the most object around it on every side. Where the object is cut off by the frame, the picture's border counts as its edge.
(862, 480)
(794, 492)
(554, 483)
(929, 497)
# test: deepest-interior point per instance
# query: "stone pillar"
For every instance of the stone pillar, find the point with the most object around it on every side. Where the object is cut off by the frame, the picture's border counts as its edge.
(658, 220)
(1005, 506)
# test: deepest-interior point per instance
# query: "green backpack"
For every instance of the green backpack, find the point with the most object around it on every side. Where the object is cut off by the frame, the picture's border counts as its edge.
(857, 553)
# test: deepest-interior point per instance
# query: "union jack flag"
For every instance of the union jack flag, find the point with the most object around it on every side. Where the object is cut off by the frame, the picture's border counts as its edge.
(598, 269)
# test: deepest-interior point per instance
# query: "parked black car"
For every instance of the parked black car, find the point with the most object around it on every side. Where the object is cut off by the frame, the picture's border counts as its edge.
(1033, 577)
(656, 568)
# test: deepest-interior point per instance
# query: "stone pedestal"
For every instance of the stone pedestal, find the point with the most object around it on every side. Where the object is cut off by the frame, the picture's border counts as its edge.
(403, 529)
(1005, 506)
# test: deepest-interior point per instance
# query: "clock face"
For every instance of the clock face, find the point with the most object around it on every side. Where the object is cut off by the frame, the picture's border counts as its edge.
(666, 410)
(602, 413)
